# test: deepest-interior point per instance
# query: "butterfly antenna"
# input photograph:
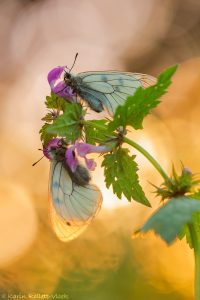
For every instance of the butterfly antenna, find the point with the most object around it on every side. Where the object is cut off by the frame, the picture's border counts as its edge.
(73, 62)
(37, 161)
(108, 119)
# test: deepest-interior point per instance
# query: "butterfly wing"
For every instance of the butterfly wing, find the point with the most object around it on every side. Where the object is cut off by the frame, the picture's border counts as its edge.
(62, 230)
(72, 207)
(110, 88)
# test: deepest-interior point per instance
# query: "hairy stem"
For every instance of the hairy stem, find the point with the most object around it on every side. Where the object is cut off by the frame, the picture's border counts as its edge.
(149, 157)
(196, 244)
(138, 147)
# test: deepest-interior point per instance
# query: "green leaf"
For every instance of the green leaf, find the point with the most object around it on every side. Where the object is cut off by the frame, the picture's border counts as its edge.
(45, 136)
(120, 171)
(55, 102)
(48, 118)
(68, 125)
(170, 220)
(139, 105)
(186, 233)
(96, 131)
(196, 224)
(196, 195)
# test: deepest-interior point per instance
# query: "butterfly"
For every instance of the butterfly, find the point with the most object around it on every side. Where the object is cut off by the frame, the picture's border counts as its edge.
(106, 89)
(74, 201)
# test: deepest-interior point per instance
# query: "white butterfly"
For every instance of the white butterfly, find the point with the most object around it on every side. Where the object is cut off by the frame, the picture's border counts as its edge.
(107, 89)
(74, 201)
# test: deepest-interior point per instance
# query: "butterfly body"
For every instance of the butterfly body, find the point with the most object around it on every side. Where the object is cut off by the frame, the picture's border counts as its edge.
(80, 176)
(107, 89)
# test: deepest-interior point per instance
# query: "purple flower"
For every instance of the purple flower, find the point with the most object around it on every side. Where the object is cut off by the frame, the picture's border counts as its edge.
(187, 170)
(72, 153)
(83, 149)
(54, 75)
(71, 158)
(58, 86)
(52, 144)
(90, 163)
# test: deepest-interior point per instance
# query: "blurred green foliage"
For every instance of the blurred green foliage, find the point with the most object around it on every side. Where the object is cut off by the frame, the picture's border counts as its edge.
(126, 282)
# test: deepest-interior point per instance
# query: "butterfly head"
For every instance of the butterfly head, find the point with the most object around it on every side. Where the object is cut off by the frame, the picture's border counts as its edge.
(67, 77)
(55, 149)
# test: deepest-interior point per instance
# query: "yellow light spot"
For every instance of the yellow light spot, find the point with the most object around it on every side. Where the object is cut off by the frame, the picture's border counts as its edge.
(18, 223)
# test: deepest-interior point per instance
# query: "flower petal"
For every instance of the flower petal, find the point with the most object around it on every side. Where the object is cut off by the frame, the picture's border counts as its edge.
(64, 91)
(187, 170)
(71, 159)
(54, 75)
(83, 149)
(90, 163)
(60, 88)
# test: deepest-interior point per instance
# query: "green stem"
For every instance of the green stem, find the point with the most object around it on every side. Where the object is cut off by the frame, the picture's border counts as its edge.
(196, 245)
(149, 157)
(138, 147)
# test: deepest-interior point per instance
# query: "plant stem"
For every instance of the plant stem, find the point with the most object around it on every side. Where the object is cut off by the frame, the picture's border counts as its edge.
(149, 157)
(138, 147)
(196, 245)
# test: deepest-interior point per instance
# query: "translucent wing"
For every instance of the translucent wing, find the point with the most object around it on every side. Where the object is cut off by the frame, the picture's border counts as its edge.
(111, 88)
(72, 207)
(64, 231)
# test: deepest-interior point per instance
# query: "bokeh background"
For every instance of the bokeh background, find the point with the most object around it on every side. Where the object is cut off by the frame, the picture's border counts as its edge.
(130, 35)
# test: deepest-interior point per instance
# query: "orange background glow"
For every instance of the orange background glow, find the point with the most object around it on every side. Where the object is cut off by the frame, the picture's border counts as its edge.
(130, 35)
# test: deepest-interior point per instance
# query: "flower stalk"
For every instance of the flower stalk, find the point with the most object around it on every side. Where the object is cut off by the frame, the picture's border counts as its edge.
(135, 145)
(196, 244)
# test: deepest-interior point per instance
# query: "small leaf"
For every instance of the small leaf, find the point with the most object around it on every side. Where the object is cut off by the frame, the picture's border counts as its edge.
(55, 102)
(48, 118)
(94, 134)
(120, 171)
(45, 136)
(140, 104)
(68, 124)
(170, 220)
